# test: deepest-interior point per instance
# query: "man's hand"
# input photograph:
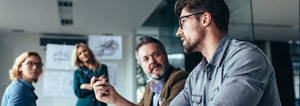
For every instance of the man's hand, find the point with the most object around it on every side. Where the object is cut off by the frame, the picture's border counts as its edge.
(106, 93)
(102, 78)
(103, 90)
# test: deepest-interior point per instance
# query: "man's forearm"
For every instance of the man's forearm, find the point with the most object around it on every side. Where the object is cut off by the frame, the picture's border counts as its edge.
(121, 101)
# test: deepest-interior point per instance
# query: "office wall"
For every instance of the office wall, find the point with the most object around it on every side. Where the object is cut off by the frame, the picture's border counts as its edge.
(13, 45)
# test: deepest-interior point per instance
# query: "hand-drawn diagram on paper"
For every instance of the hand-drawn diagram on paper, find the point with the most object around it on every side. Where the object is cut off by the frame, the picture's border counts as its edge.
(58, 83)
(106, 47)
(59, 56)
(112, 69)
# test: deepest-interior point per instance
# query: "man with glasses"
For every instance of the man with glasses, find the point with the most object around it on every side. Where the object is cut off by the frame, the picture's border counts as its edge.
(166, 83)
(232, 72)
(25, 71)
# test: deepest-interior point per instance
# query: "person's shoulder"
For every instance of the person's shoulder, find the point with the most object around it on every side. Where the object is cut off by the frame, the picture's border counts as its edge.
(244, 49)
(104, 66)
(178, 74)
(148, 85)
(16, 88)
(17, 84)
(245, 52)
(9, 88)
(77, 69)
(242, 44)
(179, 71)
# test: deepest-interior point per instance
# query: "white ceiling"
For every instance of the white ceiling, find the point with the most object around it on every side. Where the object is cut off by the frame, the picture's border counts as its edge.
(276, 20)
(89, 16)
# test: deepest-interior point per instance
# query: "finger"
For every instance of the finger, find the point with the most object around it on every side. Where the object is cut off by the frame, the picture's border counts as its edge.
(98, 83)
(100, 87)
(103, 78)
(93, 81)
(99, 94)
(102, 92)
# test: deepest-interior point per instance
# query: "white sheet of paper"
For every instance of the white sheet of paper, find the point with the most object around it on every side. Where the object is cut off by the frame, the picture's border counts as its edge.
(58, 83)
(106, 47)
(59, 56)
(112, 69)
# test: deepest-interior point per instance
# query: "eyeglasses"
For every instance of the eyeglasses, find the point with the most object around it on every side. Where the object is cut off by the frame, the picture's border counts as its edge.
(31, 64)
(179, 20)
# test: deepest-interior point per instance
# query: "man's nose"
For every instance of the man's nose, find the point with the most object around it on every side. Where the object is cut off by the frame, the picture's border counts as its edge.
(152, 60)
(34, 66)
(179, 32)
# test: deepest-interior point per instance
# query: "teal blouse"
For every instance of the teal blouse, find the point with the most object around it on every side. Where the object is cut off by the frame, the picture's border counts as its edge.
(87, 97)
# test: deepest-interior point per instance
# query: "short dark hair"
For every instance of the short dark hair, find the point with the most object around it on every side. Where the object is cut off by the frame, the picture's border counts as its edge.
(217, 8)
(146, 40)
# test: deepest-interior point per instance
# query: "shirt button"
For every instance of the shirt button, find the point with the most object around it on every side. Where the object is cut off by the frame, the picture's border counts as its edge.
(209, 75)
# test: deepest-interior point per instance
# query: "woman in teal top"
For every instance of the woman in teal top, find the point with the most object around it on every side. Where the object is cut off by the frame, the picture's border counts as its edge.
(88, 66)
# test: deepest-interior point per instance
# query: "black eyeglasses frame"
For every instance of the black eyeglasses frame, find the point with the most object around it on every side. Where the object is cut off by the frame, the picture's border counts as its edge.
(179, 19)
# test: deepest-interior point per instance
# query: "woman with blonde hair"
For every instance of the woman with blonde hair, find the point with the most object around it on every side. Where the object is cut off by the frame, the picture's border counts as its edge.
(26, 70)
(87, 67)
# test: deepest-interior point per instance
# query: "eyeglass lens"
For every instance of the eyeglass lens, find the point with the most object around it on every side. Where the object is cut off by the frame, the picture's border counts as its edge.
(179, 20)
(31, 64)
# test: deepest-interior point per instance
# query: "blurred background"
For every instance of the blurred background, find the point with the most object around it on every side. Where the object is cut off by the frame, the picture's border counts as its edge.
(25, 25)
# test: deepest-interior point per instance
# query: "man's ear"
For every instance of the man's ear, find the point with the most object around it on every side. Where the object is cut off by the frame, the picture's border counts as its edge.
(206, 19)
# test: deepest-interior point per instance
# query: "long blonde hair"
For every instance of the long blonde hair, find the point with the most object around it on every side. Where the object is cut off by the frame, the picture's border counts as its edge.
(14, 72)
(75, 60)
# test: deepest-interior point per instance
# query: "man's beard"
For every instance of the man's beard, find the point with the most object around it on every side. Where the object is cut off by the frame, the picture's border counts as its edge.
(160, 75)
(161, 70)
(188, 48)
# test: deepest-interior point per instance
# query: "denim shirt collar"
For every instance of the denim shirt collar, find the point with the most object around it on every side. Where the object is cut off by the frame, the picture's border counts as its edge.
(26, 84)
(219, 53)
(29, 86)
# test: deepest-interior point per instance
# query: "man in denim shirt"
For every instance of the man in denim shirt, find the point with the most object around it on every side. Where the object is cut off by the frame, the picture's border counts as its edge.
(231, 73)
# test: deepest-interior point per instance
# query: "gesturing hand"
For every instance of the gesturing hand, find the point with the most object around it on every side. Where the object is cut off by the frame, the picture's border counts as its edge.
(103, 90)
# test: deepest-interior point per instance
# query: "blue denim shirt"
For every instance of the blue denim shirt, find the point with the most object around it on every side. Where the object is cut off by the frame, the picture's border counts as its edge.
(19, 93)
(239, 74)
